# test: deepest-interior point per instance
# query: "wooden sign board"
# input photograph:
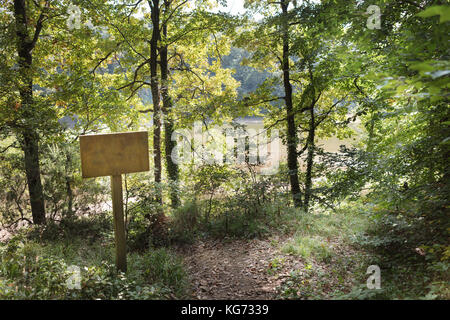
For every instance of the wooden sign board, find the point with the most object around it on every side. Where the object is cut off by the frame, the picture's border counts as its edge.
(114, 154)
(111, 155)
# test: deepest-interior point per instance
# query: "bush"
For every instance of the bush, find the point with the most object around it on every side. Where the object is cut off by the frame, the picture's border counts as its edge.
(184, 222)
(165, 268)
(13, 188)
(146, 219)
(31, 271)
(224, 201)
(87, 228)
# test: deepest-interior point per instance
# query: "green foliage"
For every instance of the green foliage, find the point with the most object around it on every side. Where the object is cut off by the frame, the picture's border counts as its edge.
(26, 274)
(315, 233)
(306, 284)
(142, 210)
(361, 235)
(224, 201)
(40, 270)
(90, 228)
(442, 11)
(413, 262)
(249, 78)
(184, 222)
(162, 266)
(66, 193)
(306, 246)
(13, 195)
(275, 265)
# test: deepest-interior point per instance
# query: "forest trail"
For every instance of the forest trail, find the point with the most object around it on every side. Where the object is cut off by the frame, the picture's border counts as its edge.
(237, 269)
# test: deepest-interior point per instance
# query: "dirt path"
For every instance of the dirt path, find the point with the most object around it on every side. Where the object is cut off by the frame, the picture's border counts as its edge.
(237, 269)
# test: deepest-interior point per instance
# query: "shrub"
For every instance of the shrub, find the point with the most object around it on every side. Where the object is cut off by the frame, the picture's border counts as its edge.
(184, 222)
(30, 271)
(163, 267)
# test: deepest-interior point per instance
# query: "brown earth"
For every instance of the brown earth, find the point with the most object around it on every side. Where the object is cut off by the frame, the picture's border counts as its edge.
(237, 269)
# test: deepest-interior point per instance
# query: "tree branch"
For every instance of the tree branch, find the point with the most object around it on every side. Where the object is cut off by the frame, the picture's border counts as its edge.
(39, 24)
(103, 59)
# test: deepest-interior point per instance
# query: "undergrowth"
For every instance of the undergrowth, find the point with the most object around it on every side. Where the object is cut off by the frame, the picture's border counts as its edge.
(40, 263)
(339, 247)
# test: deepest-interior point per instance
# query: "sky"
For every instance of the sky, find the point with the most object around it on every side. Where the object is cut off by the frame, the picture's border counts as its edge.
(236, 7)
(233, 6)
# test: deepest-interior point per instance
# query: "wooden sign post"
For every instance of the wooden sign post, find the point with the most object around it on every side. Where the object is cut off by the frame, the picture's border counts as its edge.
(111, 155)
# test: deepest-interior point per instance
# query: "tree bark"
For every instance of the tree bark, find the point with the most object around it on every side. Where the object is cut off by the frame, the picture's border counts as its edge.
(69, 179)
(290, 116)
(310, 158)
(28, 133)
(158, 227)
(172, 167)
(154, 84)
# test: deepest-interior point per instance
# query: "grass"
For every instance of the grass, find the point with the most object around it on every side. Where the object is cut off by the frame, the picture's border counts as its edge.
(315, 232)
(307, 247)
(338, 247)
(324, 240)
(160, 266)
(36, 263)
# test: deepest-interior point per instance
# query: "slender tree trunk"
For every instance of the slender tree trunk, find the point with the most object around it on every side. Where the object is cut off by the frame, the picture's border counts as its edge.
(33, 173)
(159, 226)
(69, 179)
(310, 158)
(290, 116)
(371, 131)
(28, 134)
(154, 84)
(172, 167)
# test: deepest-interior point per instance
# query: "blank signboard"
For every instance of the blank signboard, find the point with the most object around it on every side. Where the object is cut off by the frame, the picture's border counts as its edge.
(114, 154)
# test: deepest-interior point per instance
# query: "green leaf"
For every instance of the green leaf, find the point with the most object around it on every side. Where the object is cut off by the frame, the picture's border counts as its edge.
(442, 11)
(423, 66)
(446, 141)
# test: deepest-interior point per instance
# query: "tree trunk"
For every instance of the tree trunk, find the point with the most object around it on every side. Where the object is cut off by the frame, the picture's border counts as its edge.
(172, 167)
(154, 84)
(28, 133)
(310, 158)
(158, 227)
(69, 179)
(33, 173)
(290, 116)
